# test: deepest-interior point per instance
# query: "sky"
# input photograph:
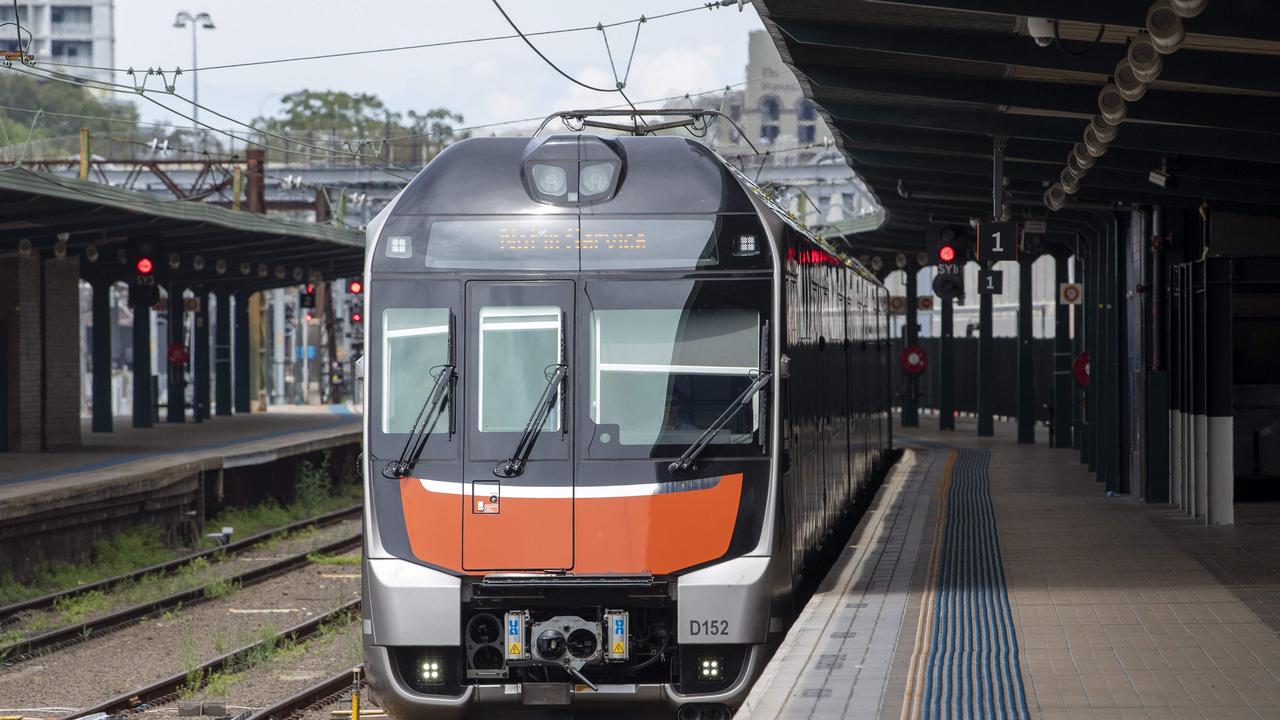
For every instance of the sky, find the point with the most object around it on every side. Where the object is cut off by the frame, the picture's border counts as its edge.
(486, 82)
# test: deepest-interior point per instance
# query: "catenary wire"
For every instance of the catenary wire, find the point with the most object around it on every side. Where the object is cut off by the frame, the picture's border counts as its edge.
(401, 48)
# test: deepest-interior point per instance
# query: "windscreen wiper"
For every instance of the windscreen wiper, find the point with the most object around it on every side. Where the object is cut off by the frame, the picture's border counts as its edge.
(421, 429)
(685, 462)
(514, 465)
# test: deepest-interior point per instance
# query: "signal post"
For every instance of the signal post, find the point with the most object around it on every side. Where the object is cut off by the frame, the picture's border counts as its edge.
(948, 284)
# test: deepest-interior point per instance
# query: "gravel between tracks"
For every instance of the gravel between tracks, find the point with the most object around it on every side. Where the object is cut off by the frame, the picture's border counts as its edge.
(292, 671)
(98, 604)
(133, 656)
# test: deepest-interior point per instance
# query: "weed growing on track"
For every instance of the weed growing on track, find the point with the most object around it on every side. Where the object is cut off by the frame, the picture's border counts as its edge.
(220, 588)
(317, 491)
(272, 649)
(319, 559)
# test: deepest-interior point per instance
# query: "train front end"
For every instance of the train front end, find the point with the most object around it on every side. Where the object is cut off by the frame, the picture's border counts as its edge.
(570, 430)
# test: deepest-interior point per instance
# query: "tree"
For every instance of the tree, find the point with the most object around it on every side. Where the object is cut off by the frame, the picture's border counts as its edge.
(357, 123)
(58, 100)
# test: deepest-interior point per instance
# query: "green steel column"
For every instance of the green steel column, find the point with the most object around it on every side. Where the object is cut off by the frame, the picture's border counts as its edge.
(142, 399)
(241, 362)
(1109, 415)
(222, 354)
(176, 407)
(986, 366)
(1026, 367)
(1077, 347)
(1061, 358)
(911, 383)
(103, 325)
(946, 370)
(1089, 444)
(200, 359)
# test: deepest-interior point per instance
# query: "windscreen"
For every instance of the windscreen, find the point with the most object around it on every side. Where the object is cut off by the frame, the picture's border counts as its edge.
(666, 359)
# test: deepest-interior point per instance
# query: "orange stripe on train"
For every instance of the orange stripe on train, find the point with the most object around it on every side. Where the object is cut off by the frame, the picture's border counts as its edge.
(629, 535)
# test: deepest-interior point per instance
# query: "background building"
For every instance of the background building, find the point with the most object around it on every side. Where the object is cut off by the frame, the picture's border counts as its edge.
(72, 33)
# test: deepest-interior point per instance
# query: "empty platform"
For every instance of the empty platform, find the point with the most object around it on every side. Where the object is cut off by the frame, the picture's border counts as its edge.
(54, 505)
(996, 580)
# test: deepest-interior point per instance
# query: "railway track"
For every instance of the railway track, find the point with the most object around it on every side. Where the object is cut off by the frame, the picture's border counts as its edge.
(166, 689)
(67, 635)
(9, 612)
(321, 693)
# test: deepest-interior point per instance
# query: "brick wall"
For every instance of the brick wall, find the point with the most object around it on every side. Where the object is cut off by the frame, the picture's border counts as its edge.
(62, 350)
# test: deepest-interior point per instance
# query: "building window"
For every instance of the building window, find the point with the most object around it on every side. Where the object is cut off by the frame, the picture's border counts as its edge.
(72, 15)
(770, 114)
(770, 109)
(806, 112)
(79, 50)
(805, 134)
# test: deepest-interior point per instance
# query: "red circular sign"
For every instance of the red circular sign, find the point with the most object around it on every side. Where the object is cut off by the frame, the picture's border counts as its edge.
(913, 359)
(178, 354)
(1080, 369)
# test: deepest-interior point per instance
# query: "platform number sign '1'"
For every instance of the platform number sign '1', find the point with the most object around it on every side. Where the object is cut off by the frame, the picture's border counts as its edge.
(990, 282)
(997, 241)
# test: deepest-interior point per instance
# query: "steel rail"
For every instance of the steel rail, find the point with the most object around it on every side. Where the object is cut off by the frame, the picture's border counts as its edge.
(170, 567)
(170, 685)
(54, 639)
(300, 701)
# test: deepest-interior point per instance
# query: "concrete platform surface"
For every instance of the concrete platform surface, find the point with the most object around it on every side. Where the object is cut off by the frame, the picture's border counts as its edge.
(167, 450)
(996, 580)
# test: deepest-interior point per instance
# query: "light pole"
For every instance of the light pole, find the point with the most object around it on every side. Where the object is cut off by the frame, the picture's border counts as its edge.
(202, 20)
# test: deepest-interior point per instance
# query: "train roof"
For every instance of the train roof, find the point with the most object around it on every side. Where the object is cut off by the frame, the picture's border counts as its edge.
(658, 175)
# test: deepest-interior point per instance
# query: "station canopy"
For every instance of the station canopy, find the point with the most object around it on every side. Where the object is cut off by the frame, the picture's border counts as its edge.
(105, 226)
(919, 92)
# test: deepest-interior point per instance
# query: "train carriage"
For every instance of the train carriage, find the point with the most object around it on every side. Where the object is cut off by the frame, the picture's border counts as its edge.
(616, 402)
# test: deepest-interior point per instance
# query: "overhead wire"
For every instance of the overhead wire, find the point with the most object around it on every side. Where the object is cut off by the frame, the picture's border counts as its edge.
(401, 48)
(117, 88)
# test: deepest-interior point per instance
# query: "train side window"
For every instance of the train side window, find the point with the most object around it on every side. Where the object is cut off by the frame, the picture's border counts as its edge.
(413, 339)
(517, 345)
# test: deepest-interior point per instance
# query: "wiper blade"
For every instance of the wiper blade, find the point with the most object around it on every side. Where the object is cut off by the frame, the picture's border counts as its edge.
(421, 429)
(686, 461)
(514, 465)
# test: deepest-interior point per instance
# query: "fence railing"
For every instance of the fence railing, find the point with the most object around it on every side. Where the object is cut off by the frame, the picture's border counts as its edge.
(1004, 391)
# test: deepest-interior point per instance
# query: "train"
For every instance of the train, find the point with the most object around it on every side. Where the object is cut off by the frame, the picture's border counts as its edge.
(617, 401)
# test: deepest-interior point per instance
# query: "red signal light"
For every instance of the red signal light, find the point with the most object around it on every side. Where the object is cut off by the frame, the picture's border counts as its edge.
(355, 287)
(144, 266)
(356, 317)
(311, 289)
(947, 254)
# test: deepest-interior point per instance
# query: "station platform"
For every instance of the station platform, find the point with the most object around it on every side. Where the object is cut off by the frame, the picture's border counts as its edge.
(996, 580)
(52, 504)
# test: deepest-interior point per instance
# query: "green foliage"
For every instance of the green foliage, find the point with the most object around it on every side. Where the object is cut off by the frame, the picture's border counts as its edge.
(314, 484)
(318, 492)
(359, 123)
(318, 559)
(219, 588)
(115, 555)
(74, 609)
(21, 91)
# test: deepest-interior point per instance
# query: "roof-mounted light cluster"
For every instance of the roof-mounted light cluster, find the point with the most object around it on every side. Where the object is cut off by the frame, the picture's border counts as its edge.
(572, 169)
(1140, 67)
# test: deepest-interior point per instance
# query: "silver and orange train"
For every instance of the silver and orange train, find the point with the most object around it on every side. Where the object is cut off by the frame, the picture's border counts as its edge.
(616, 403)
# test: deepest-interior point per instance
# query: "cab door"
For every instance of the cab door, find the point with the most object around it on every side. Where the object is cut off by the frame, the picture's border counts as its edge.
(517, 335)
